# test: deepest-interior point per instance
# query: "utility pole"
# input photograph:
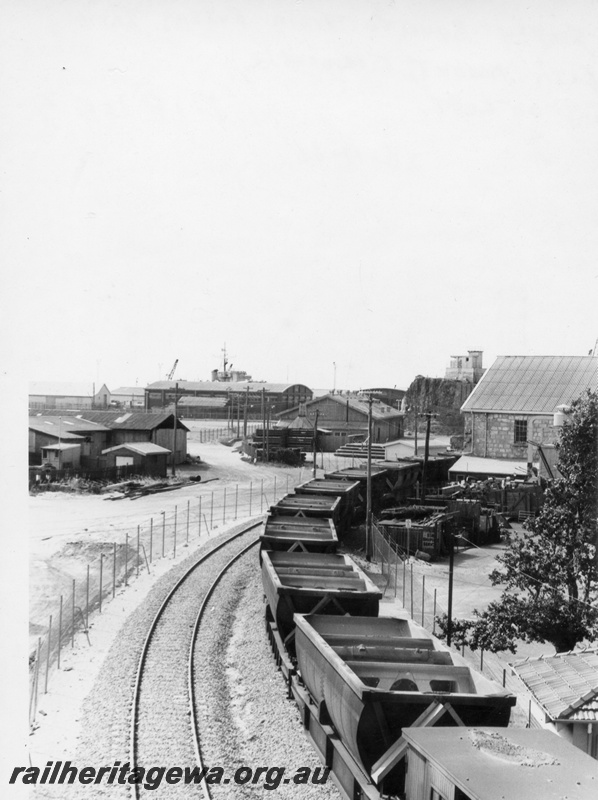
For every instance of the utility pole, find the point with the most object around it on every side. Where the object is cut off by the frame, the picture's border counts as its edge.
(449, 622)
(315, 443)
(264, 424)
(368, 508)
(416, 417)
(174, 426)
(428, 416)
(245, 418)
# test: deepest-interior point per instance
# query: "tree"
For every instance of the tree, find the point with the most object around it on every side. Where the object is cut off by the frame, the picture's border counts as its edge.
(550, 574)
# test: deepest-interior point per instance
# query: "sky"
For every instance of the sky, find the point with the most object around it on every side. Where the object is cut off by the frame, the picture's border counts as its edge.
(342, 192)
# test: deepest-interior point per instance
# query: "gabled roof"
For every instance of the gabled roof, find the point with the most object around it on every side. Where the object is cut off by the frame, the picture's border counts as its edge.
(532, 384)
(565, 685)
(62, 446)
(379, 410)
(143, 448)
(50, 426)
(131, 420)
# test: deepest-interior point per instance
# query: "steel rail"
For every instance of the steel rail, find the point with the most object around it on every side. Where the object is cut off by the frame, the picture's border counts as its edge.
(152, 628)
(193, 710)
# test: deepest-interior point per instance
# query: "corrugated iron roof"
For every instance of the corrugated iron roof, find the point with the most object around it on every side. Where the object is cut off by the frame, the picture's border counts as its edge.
(379, 410)
(565, 685)
(532, 384)
(143, 448)
(130, 421)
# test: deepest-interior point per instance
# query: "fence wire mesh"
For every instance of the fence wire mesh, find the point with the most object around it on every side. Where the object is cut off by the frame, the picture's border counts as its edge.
(130, 551)
(402, 581)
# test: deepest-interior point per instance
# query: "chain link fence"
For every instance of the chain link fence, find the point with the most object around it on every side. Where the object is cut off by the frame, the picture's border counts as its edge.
(402, 581)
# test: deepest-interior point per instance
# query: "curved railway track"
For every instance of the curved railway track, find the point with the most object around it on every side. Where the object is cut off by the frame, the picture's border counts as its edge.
(164, 728)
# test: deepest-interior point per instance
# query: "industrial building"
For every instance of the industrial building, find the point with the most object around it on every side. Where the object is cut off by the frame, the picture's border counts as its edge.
(516, 400)
(248, 396)
(343, 418)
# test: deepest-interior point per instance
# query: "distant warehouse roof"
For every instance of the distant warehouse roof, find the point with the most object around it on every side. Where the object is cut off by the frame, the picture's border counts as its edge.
(221, 387)
(203, 402)
(532, 384)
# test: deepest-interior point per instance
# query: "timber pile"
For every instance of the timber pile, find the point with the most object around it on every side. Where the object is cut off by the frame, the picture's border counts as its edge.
(133, 491)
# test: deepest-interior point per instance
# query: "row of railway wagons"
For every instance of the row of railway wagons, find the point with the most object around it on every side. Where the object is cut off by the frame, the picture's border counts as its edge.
(364, 682)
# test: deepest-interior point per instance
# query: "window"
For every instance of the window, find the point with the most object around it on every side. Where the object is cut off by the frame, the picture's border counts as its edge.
(520, 431)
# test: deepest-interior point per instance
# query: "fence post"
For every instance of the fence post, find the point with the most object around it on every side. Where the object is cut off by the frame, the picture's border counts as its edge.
(205, 522)
(212, 512)
(59, 631)
(138, 551)
(236, 499)
(38, 665)
(127, 559)
(482, 659)
(163, 530)
(101, 578)
(73, 617)
(423, 598)
(404, 579)
(250, 495)
(151, 538)
(188, 504)
(504, 678)
(114, 570)
(224, 508)
(87, 602)
(48, 654)
(174, 541)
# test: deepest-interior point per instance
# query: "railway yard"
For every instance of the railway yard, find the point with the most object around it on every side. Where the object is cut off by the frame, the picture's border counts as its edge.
(178, 668)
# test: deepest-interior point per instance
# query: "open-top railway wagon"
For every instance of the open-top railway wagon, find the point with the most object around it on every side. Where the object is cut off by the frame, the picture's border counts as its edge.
(380, 485)
(294, 505)
(346, 490)
(370, 678)
(319, 583)
(305, 534)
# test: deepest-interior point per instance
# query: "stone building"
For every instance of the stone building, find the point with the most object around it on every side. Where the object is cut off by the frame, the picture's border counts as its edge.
(515, 401)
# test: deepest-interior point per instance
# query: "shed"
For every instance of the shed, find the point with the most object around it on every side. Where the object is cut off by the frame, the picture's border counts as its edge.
(495, 764)
(62, 455)
(151, 459)
(514, 403)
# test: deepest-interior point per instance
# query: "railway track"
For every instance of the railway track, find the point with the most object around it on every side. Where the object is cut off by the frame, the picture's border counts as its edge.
(164, 728)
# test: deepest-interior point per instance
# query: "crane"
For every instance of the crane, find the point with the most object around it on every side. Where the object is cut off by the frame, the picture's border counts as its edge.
(170, 375)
